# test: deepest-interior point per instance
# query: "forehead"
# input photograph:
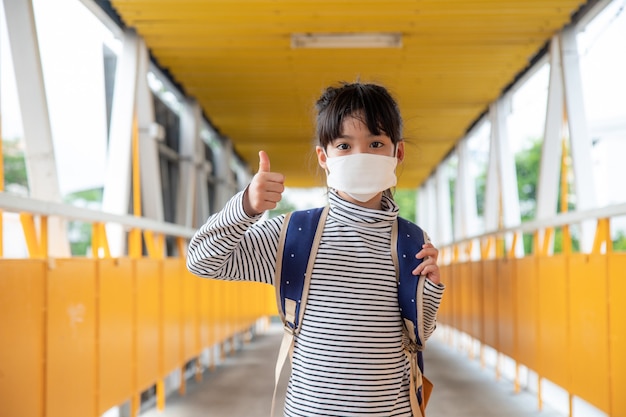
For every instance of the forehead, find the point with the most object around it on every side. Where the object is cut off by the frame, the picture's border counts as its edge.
(355, 124)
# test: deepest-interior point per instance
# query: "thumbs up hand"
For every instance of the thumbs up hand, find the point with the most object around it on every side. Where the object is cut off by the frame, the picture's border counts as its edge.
(265, 189)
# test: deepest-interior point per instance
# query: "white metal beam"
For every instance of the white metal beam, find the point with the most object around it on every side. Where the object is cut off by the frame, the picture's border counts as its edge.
(186, 208)
(40, 158)
(151, 188)
(203, 209)
(465, 208)
(506, 164)
(492, 186)
(511, 212)
(502, 200)
(226, 185)
(580, 139)
(443, 233)
(421, 206)
(106, 20)
(202, 170)
(116, 195)
(550, 165)
(431, 210)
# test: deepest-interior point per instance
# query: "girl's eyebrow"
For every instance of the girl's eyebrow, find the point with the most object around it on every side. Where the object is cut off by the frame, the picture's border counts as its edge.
(344, 136)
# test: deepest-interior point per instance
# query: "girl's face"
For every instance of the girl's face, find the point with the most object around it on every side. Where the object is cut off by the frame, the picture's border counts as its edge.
(356, 138)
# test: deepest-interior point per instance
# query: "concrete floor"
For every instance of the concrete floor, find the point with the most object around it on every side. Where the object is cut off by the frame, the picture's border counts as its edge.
(242, 386)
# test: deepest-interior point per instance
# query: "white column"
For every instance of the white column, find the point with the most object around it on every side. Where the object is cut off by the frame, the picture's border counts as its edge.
(502, 200)
(550, 166)
(465, 207)
(551, 149)
(421, 208)
(190, 149)
(506, 169)
(40, 158)
(244, 176)
(580, 139)
(492, 186)
(226, 185)
(466, 211)
(203, 173)
(201, 169)
(443, 232)
(116, 196)
(431, 203)
(150, 133)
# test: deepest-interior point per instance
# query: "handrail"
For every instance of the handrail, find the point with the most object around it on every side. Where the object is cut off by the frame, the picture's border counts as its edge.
(561, 219)
(15, 203)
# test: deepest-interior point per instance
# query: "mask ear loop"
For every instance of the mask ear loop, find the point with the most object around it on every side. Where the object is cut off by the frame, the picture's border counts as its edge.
(326, 155)
(388, 192)
(326, 169)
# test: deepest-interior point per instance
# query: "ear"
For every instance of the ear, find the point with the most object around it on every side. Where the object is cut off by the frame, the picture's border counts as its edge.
(321, 157)
(400, 151)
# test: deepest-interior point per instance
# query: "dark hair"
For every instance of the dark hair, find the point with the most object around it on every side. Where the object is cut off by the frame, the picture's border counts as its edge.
(370, 103)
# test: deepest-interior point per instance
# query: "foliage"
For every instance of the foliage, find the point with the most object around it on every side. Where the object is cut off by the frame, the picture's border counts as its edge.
(481, 187)
(284, 206)
(79, 233)
(85, 197)
(14, 164)
(619, 244)
(407, 201)
(527, 165)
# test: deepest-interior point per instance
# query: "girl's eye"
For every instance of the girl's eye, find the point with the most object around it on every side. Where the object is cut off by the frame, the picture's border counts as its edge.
(343, 146)
(377, 144)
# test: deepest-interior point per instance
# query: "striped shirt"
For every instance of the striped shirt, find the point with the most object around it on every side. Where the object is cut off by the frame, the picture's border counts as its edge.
(348, 358)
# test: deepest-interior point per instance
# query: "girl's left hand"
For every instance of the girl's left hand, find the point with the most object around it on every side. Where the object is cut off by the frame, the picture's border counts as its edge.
(428, 267)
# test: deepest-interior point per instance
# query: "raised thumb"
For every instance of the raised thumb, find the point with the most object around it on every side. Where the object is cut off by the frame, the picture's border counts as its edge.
(264, 162)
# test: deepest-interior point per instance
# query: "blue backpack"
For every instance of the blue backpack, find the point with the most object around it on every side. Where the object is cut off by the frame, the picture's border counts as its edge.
(300, 236)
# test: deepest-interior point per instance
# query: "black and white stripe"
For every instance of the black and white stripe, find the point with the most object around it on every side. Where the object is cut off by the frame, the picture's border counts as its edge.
(348, 358)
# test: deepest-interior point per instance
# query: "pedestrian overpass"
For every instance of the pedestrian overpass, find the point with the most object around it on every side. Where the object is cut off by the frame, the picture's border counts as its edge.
(168, 111)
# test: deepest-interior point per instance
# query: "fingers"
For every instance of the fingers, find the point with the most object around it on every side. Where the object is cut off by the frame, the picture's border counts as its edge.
(428, 251)
(428, 266)
(265, 189)
(264, 162)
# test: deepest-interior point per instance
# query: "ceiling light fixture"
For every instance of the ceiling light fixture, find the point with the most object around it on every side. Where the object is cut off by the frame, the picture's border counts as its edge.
(346, 40)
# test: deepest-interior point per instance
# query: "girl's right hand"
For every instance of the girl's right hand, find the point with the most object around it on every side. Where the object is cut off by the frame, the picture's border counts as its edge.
(265, 189)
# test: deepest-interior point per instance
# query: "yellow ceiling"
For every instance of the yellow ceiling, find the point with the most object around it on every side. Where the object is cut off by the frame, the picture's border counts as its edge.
(235, 58)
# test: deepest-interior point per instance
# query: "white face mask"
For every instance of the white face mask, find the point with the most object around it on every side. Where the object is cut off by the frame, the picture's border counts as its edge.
(361, 175)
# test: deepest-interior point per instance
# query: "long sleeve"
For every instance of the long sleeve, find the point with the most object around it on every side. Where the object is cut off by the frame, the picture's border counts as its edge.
(432, 298)
(234, 246)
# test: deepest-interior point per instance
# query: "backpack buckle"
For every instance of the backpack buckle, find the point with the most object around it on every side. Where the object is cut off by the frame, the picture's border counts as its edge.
(289, 329)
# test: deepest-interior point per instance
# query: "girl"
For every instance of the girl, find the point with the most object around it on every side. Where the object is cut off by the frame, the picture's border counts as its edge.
(348, 358)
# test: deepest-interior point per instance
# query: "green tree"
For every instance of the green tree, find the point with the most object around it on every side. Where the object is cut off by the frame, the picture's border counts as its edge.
(619, 244)
(14, 163)
(407, 201)
(79, 233)
(284, 206)
(527, 165)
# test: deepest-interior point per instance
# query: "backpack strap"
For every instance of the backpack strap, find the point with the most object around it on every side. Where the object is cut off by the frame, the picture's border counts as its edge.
(408, 239)
(293, 276)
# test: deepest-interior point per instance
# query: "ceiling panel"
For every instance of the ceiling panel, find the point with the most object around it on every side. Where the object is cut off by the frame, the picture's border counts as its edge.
(235, 57)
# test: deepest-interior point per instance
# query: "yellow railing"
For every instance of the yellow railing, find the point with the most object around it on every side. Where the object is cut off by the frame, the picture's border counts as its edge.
(81, 335)
(562, 316)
